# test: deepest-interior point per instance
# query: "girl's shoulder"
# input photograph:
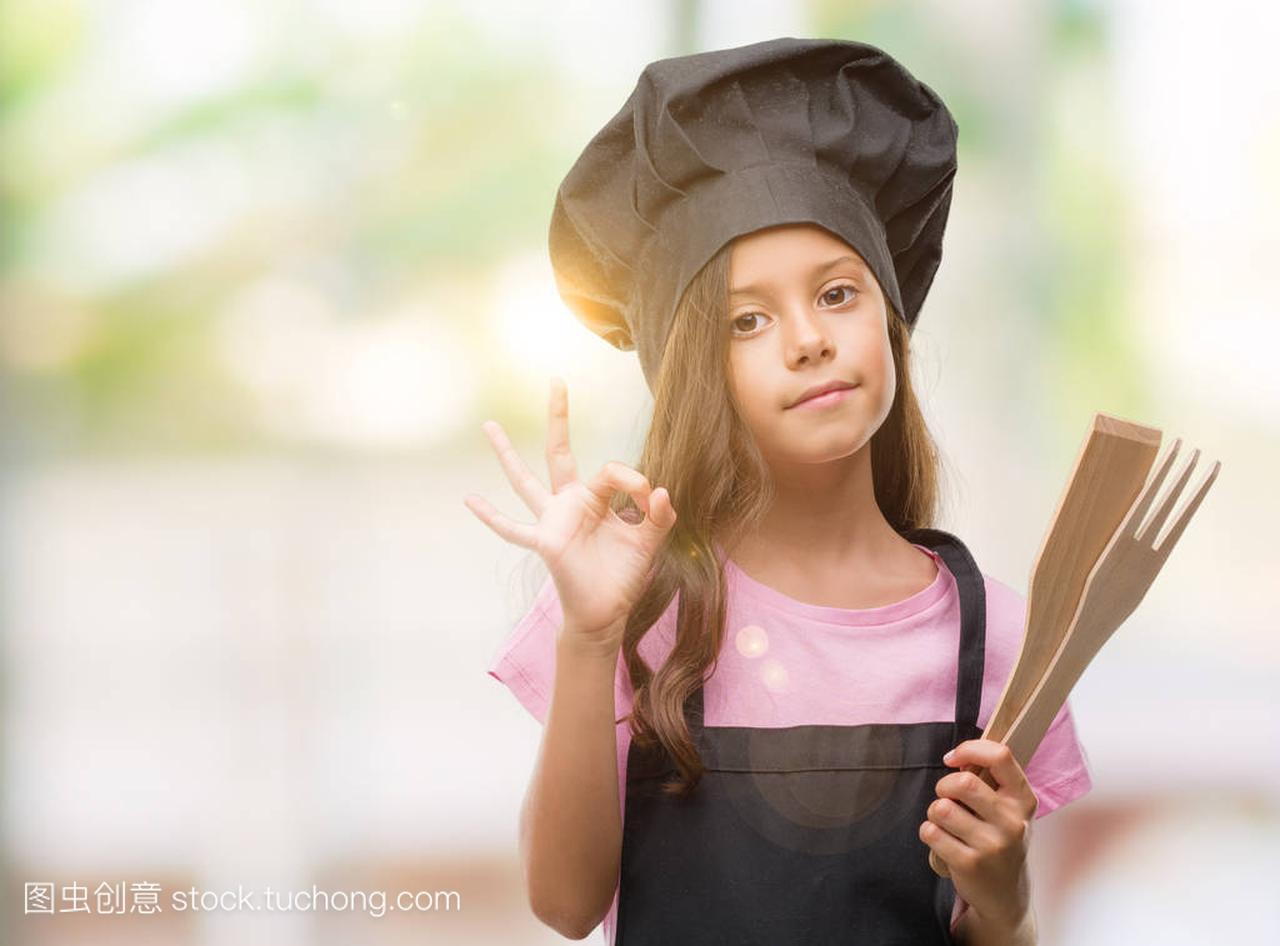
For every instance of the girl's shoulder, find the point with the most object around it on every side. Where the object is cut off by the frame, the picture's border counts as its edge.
(1006, 608)
(1004, 602)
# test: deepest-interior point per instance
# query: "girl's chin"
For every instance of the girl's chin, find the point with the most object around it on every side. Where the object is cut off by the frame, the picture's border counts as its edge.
(818, 449)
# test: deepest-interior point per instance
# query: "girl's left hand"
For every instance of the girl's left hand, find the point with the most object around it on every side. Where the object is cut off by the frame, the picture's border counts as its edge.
(985, 847)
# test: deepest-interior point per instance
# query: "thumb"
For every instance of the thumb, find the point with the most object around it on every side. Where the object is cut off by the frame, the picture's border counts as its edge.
(662, 515)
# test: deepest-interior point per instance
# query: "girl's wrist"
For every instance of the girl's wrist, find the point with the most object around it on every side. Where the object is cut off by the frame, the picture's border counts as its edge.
(976, 930)
(578, 645)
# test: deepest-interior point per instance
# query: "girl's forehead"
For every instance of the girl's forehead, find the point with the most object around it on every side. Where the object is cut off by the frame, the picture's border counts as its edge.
(788, 250)
(798, 238)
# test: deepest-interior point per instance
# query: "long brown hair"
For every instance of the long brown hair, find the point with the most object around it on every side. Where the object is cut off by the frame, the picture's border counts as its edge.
(698, 447)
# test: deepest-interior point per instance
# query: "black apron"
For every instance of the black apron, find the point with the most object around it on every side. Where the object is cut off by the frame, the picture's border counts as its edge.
(801, 834)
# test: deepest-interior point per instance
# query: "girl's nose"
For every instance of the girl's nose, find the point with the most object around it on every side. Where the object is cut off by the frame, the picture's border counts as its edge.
(808, 336)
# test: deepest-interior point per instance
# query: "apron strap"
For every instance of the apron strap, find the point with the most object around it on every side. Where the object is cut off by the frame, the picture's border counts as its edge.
(973, 627)
(973, 618)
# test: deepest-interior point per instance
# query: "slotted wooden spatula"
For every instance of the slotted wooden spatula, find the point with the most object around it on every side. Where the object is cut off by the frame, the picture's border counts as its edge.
(1110, 469)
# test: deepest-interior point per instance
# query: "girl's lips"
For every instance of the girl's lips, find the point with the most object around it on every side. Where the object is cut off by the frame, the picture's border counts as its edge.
(824, 400)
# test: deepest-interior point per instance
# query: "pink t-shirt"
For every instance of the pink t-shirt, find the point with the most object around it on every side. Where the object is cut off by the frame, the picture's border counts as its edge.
(787, 663)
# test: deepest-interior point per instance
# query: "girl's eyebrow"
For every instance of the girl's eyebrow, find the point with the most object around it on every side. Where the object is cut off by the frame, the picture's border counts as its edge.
(817, 271)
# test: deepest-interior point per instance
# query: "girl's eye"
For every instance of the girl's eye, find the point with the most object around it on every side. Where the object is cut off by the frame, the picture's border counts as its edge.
(852, 293)
(735, 323)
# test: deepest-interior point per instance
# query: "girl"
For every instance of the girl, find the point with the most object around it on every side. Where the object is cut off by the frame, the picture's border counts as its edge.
(753, 650)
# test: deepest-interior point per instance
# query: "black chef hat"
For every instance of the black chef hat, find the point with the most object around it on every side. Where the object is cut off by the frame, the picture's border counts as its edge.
(718, 144)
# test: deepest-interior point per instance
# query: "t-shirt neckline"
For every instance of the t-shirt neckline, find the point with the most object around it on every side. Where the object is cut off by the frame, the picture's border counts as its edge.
(885, 614)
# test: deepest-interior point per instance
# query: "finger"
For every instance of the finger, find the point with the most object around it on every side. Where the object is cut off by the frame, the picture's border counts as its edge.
(951, 849)
(967, 789)
(662, 515)
(526, 485)
(615, 477)
(959, 822)
(518, 533)
(994, 756)
(560, 462)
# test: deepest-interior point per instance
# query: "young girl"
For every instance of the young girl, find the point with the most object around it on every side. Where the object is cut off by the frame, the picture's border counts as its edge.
(753, 650)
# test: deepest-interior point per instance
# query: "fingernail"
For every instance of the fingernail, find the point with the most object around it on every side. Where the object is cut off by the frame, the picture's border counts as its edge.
(949, 756)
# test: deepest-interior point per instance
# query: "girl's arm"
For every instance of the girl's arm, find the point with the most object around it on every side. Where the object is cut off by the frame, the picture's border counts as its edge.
(571, 825)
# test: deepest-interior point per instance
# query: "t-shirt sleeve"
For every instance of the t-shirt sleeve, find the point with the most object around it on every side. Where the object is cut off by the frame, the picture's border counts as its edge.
(526, 660)
(1059, 768)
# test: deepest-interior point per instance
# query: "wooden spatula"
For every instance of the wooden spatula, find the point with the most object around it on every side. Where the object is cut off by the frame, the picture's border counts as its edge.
(1109, 471)
(1116, 585)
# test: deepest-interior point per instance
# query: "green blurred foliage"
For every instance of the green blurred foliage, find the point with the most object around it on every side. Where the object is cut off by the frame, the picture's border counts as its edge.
(1092, 344)
(469, 182)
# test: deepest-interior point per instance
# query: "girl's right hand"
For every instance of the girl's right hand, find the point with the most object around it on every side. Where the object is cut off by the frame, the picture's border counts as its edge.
(599, 562)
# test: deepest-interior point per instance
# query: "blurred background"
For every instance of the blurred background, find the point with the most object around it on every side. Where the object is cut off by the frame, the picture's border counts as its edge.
(265, 268)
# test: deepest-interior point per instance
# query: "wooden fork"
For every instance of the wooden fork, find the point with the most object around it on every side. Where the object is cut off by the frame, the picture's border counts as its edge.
(1116, 585)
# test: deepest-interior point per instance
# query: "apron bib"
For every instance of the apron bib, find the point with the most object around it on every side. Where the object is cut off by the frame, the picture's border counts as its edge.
(801, 834)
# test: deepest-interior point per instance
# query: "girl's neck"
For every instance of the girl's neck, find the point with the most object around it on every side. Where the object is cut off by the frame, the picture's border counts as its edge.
(865, 570)
(822, 543)
(823, 514)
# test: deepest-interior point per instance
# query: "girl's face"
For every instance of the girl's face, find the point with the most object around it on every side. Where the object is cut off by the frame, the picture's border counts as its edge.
(804, 309)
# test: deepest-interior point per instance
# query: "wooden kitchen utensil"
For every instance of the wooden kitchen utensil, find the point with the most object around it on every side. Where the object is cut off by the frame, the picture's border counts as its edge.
(1115, 587)
(1116, 584)
(1110, 470)
(1112, 465)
